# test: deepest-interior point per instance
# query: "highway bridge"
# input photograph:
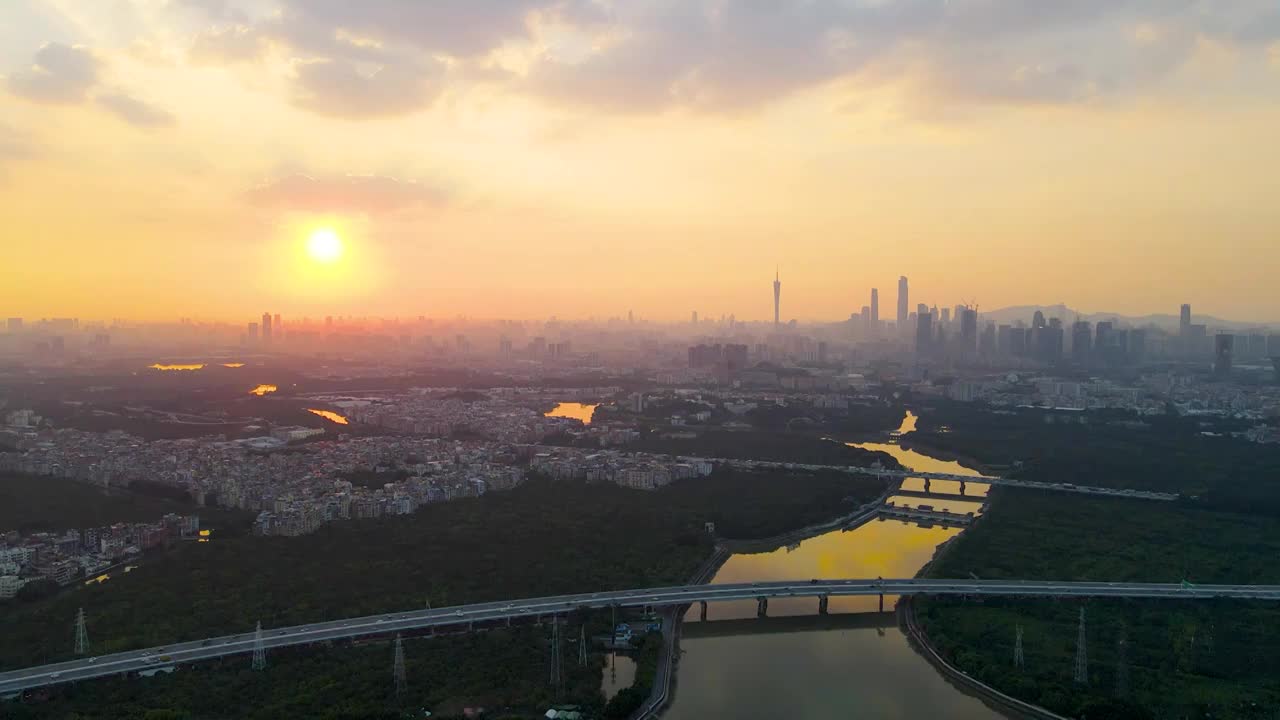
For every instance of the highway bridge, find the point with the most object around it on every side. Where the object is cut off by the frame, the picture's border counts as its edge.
(15, 681)
(986, 479)
(937, 517)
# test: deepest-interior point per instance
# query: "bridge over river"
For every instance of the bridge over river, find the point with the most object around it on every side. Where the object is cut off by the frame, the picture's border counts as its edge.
(192, 651)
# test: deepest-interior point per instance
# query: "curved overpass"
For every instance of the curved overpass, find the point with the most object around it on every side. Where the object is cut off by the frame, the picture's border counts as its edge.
(215, 647)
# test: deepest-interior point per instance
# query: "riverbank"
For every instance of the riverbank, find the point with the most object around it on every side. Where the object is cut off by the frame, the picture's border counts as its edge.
(864, 513)
(1010, 706)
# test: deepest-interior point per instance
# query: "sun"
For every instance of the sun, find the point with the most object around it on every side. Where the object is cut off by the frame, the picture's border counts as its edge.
(324, 246)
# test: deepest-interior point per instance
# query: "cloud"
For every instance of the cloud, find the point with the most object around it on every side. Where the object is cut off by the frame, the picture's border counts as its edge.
(64, 74)
(366, 194)
(342, 89)
(15, 144)
(229, 44)
(59, 74)
(134, 111)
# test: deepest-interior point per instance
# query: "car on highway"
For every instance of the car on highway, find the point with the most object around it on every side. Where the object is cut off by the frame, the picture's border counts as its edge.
(459, 613)
(92, 660)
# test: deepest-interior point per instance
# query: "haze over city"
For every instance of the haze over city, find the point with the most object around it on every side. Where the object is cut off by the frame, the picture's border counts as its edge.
(587, 158)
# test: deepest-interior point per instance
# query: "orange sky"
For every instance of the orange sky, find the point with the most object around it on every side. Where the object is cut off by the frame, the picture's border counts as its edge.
(528, 158)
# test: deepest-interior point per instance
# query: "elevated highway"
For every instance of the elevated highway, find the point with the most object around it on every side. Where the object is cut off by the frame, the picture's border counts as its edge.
(192, 651)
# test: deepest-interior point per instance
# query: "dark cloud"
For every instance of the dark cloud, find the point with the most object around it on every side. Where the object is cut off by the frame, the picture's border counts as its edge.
(134, 111)
(367, 194)
(339, 88)
(60, 74)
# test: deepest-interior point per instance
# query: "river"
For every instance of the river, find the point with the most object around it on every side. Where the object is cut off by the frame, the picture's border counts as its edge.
(854, 663)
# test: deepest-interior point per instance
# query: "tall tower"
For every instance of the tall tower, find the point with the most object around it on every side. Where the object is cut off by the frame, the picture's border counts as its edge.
(266, 327)
(1082, 657)
(259, 650)
(1019, 660)
(902, 305)
(777, 298)
(1184, 320)
(397, 667)
(82, 634)
(875, 307)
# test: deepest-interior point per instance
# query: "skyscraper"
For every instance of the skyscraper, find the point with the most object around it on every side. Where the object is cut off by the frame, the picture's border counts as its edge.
(1184, 320)
(969, 329)
(277, 325)
(1037, 320)
(1081, 341)
(777, 298)
(1223, 348)
(902, 305)
(924, 333)
(875, 307)
(266, 327)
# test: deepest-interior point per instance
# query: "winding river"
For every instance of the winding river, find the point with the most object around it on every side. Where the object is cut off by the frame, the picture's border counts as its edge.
(852, 663)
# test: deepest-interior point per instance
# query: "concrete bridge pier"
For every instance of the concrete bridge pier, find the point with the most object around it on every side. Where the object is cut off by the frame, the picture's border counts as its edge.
(926, 484)
(962, 485)
(881, 602)
(762, 607)
(702, 611)
(823, 601)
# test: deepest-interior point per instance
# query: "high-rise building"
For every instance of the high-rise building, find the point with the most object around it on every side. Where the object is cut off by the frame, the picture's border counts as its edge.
(15, 325)
(875, 307)
(902, 304)
(1081, 341)
(1004, 340)
(777, 298)
(1223, 347)
(693, 318)
(987, 342)
(266, 327)
(866, 320)
(253, 332)
(921, 309)
(924, 333)
(1184, 320)
(968, 329)
(946, 316)
(1037, 320)
(277, 326)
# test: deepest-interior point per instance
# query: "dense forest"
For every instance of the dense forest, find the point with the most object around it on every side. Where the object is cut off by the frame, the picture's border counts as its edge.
(544, 537)
(44, 504)
(1216, 659)
(1111, 448)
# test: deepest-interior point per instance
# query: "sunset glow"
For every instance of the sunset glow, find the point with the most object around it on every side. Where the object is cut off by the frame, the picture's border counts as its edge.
(324, 246)
(329, 415)
(188, 367)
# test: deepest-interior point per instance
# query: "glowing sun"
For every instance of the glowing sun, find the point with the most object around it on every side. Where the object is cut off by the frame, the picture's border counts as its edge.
(324, 246)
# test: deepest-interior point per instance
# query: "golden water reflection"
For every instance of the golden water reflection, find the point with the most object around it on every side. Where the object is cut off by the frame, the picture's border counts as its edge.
(577, 411)
(880, 548)
(960, 507)
(232, 365)
(263, 390)
(176, 367)
(329, 415)
(908, 424)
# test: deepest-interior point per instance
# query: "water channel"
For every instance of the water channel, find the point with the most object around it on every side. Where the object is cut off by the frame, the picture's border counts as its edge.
(577, 411)
(853, 663)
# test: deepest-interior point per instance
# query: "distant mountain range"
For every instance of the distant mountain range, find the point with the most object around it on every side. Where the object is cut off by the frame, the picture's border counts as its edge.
(1011, 315)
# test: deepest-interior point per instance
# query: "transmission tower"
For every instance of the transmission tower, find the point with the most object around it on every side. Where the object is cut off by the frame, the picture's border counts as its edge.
(557, 669)
(397, 667)
(582, 646)
(1082, 656)
(259, 650)
(82, 634)
(1018, 659)
(1122, 668)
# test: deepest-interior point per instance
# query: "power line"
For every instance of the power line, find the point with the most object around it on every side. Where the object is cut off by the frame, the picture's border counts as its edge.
(397, 667)
(259, 650)
(1018, 660)
(82, 634)
(1082, 656)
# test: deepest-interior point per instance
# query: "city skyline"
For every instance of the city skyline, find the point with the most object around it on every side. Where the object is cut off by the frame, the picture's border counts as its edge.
(188, 155)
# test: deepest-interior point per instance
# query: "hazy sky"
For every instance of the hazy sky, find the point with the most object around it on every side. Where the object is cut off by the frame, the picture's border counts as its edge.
(523, 158)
